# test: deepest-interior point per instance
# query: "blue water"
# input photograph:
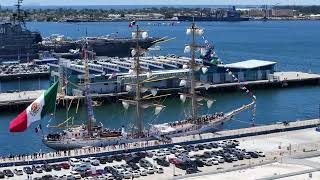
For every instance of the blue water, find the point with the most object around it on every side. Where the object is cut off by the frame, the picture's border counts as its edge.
(293, 44)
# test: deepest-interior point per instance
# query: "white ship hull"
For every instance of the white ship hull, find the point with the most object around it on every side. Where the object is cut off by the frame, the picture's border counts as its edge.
(99, 142)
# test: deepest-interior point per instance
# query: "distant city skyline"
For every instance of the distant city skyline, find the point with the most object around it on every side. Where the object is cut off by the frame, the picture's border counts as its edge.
(159, 2)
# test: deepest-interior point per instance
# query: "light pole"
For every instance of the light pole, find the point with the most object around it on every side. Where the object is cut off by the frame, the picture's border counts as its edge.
(19, 84)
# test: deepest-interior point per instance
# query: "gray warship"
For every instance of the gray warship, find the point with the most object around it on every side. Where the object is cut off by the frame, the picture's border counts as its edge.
(19, 43)
(16, 41)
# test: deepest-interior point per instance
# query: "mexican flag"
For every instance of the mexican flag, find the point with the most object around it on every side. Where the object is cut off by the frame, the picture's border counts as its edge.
(37, 110)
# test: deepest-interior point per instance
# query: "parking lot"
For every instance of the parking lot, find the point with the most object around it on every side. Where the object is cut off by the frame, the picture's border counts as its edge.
(156, 164)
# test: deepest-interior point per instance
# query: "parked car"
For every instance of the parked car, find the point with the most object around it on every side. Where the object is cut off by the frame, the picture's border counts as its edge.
(47, 167)
(57, 167)
(2, 176)
(73, 161)
(134, 166)
(27, 170)
(8, 173)
(65, 165)
(143, 172)
(191, 170)
(127, 175)
(253, 154)
(260, 153)
(163, 162)
(159, 170)
(18, 172)
(175, 161)
(47, 177)
(246, 155)
(150, 170)
(37, 168)
(135, 173)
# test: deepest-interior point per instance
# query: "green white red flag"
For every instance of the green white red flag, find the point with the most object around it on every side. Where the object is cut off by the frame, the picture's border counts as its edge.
(35, 111)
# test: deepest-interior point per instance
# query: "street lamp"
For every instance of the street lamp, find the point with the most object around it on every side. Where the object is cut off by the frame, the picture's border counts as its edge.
(19, 84)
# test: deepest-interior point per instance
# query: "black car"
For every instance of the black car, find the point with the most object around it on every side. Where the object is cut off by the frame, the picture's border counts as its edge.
(110, 159)
(47, 177)
(57, 167)
(133, 159)
(191, 170)
(163, 162)
(145, 163)
(102, 160)
(47, 167)
(27, 170)
(2, 175)
(186, 165)
(200, 146)
(8, 173)
(253, 154)
(214, 145)
(118, 158)
(207, 154)
(134, 166)
(198, 163)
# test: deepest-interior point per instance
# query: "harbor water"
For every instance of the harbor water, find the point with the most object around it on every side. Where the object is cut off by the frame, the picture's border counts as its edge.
(292, 44)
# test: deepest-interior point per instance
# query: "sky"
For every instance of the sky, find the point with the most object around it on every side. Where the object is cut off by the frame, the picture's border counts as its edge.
(159, 2)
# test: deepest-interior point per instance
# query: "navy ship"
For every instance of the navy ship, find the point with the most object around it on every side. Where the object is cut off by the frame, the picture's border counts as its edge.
(19, 43)
(16, 41)
(101, 46)
(219, 15)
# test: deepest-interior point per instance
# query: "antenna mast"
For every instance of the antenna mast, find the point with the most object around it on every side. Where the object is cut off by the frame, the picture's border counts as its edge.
(20, 18)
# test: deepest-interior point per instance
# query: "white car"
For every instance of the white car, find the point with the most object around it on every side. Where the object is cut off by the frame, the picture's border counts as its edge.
(85, 160)
(159, 156)
(150, 170)
(89, 178)
(143, 172)
(136, 173)
(73, 161)
(126, 174)
(260, 153)
(109, 176)
(159, 170)
(207, 162)
(219, 158)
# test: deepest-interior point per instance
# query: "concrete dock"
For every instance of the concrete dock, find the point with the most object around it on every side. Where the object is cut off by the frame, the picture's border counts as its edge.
(278, 80)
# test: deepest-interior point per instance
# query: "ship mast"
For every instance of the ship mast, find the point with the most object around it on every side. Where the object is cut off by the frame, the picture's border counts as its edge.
(87, 93)
(139, 119)
(193, 66)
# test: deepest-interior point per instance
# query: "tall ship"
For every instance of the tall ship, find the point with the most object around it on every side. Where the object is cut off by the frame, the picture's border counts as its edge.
(140, 97)
(218, 15)
(19, 43)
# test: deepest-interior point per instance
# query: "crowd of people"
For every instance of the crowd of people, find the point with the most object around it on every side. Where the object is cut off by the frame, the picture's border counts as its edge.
(203, 119)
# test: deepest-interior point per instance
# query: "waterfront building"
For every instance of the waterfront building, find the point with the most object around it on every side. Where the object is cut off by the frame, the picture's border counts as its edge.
(111, 75)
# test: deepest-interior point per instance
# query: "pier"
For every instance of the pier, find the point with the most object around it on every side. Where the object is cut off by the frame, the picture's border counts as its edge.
(51, 157)
(277, 80)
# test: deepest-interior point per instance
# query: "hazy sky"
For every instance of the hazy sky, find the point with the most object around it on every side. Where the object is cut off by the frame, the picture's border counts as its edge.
(161, 2)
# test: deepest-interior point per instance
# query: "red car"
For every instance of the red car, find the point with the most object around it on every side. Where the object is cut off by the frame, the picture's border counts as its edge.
(65, 165)
(175, 161)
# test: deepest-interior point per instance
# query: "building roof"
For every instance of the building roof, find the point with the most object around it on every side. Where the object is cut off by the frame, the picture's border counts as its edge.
(249, 64)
